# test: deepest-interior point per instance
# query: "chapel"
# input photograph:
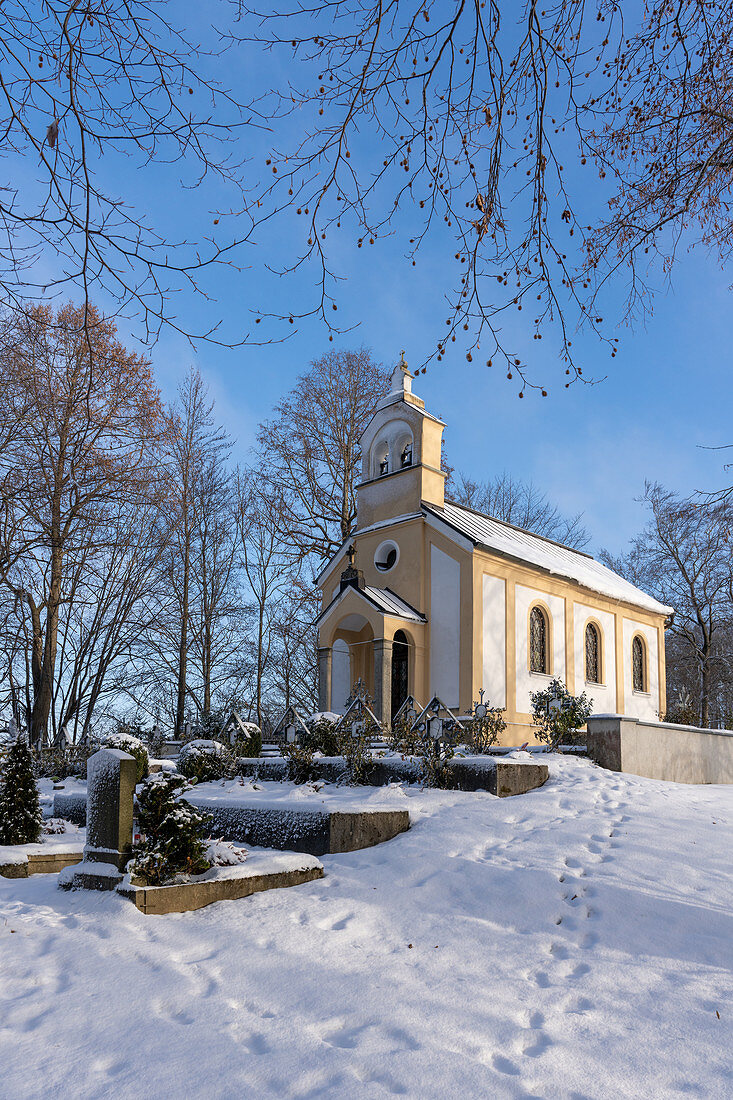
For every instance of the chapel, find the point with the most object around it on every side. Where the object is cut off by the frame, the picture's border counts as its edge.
(430, 598)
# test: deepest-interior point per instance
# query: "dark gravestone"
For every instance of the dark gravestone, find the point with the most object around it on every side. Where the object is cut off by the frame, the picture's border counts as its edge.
(111, 776)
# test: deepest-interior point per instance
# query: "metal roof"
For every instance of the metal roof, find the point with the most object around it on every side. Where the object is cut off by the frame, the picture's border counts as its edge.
(392, 604)
(553, 557)
(384, 599)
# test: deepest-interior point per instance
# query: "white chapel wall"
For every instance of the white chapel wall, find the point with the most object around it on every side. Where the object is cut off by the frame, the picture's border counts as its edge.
(644, 705)
(445, 625)
(534, 681)
(494, 639)
(340, 675)
(603, 694)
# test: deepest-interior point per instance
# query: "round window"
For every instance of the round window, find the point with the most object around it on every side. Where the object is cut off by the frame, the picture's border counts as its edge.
(387, 556)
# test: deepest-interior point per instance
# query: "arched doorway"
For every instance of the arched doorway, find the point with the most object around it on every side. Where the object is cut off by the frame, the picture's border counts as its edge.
(400, 669)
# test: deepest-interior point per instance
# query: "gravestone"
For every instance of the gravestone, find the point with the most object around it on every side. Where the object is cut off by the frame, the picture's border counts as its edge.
(111, 776)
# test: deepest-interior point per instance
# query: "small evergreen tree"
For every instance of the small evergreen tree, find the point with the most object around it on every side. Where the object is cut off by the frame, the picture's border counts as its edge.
(20, 811)
(173, 832)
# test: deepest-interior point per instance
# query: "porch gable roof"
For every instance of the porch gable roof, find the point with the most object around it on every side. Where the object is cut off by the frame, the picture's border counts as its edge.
(383, 599)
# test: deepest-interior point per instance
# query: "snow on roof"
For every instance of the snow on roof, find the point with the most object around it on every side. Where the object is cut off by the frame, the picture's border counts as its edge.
(559, 560)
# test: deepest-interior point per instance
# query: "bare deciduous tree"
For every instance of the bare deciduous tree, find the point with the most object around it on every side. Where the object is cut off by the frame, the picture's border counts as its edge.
(683, 558)
(473, 125)
(198, 449)
(216, 618)
(88, 448)
(523, 504)
(82, 91)
(309, 450)
(266, 565)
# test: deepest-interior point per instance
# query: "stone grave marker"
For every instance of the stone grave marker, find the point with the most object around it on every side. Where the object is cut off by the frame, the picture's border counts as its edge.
(111, 776)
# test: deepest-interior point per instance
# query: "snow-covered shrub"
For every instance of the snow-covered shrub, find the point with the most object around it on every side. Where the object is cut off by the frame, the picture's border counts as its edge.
(251, 744)
(301, 766)
(222, 853)
(58, 763)
(558, 715)
(54, 825)
(403, 738)
(156, 742)
(435, 758)
(20, 811)
(322, 735)
(125, 742)
(173, 833)
(204, 760)
(482, 733)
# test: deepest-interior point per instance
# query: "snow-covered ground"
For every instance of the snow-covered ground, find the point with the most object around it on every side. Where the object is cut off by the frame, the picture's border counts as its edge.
(575, 942)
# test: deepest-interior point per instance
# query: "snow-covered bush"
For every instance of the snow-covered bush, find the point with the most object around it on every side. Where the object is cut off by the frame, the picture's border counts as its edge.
(222, 853)
(558, 715)
(20, 811)
(404, 738)
(173, 833)
(482, 733)
(58, 763)
(125, 742)
(54, 825)
(250, 742)
(301, 766)
(322, 735)
(204, 760)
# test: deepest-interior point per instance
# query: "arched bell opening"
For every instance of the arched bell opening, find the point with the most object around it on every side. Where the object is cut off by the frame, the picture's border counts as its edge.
(400, 670)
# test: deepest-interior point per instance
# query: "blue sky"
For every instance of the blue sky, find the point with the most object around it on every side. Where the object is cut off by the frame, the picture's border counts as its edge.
(663, 400)
(657, 404)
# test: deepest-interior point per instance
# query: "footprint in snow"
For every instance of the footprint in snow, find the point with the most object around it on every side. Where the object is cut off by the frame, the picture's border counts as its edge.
(505, 1065)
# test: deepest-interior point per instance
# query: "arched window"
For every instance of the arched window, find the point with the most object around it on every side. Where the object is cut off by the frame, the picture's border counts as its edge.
(638, 664)
(538, 641)
(592, 654)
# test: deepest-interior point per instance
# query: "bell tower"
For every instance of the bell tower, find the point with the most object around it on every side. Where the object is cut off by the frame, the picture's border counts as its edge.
(400, 451)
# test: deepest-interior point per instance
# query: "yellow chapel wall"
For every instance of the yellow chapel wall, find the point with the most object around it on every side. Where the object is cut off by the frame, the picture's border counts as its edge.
(514, 588)
(570, 607)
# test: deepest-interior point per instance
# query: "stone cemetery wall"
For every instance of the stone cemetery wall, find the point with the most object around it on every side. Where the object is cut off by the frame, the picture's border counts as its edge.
(661, 750)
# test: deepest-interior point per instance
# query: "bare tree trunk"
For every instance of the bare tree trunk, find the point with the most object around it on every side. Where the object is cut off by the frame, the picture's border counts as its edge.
(183, 642)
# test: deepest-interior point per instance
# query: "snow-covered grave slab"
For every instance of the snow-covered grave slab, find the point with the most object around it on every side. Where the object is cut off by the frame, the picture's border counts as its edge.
(502, 776)
(262, 871)
(52, 854)
(306, 818)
